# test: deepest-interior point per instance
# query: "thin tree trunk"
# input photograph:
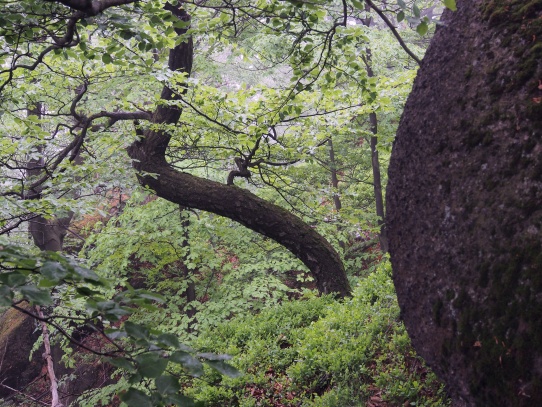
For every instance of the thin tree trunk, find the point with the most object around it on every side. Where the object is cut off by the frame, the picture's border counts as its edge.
(335, 185)
(190, 292)
(334, 178)
(375, 163)
(48, 234)
(377, 183)
(55, 399)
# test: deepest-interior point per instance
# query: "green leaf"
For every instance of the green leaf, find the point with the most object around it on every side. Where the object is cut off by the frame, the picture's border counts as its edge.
(214, 356)
(416, 10)
(192, 365)
(358, 4)
(85, 291)
(114, 314)
(53, 270)
(113, 333)
(35, 295)
(150, 296)
(400, 16)
(122, 363)
(88, 275)
(135, 378)
(223, 368)
(14, 279)
(181, 401)
(402, 4)
(151, 365)
(422, 28)
(126, 35)
(46, 283)
(136, 398)
(450, 4)
(167, 384)
(181, 24)
(168, 340)
(156, 21)
(136, 331)
(5, 296)
(106, 58)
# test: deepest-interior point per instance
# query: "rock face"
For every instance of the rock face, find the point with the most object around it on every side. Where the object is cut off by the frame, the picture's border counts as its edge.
(23, 378)
(464, 204)
(17, 337)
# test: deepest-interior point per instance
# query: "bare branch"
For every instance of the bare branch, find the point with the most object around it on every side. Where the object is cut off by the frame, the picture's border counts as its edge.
(394, 31)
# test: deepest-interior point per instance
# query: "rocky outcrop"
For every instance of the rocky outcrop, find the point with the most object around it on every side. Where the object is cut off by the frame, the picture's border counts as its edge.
(464, 204)
(24, 378)
(17, 337)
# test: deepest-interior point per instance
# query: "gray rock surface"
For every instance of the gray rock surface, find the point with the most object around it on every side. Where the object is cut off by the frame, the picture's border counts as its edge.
(464, 204)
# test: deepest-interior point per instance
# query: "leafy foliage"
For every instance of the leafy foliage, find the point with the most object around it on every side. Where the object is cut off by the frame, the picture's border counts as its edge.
(319, 352)
(143, 353)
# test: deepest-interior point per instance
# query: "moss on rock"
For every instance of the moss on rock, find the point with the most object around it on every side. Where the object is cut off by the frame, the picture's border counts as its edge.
(464, 204)
(17, 337)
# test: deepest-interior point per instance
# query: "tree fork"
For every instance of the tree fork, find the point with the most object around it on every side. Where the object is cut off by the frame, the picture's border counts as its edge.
(148, 155)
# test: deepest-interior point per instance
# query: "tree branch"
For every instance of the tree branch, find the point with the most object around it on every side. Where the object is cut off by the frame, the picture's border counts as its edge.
(148, 155)
(394, 31)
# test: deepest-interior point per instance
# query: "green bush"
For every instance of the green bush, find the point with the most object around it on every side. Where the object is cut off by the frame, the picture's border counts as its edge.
(322, 352)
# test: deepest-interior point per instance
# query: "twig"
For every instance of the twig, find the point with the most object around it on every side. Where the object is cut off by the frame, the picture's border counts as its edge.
(24, 395)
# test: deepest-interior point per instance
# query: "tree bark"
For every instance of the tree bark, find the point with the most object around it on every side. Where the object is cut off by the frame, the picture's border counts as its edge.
(148, 155)
(48, 234)
(375, 162)
(47, 355)
(464, 196)
(334, 177)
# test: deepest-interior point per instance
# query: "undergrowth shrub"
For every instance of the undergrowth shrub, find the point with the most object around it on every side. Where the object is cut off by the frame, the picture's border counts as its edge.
(321, 352)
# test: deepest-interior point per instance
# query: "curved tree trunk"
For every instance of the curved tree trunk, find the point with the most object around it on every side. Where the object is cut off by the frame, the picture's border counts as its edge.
(148, 155)
(464, 204)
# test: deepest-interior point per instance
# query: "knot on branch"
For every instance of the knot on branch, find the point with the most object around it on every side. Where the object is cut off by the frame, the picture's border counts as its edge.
(242, 171)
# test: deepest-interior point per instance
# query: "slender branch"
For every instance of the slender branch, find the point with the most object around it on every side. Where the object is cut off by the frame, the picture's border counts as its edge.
(22, 219)
(394, 31)
(63, 332)
(345, 13)
(23, 394)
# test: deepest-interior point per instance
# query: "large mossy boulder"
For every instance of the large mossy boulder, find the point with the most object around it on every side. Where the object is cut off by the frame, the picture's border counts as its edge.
(464, 204)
